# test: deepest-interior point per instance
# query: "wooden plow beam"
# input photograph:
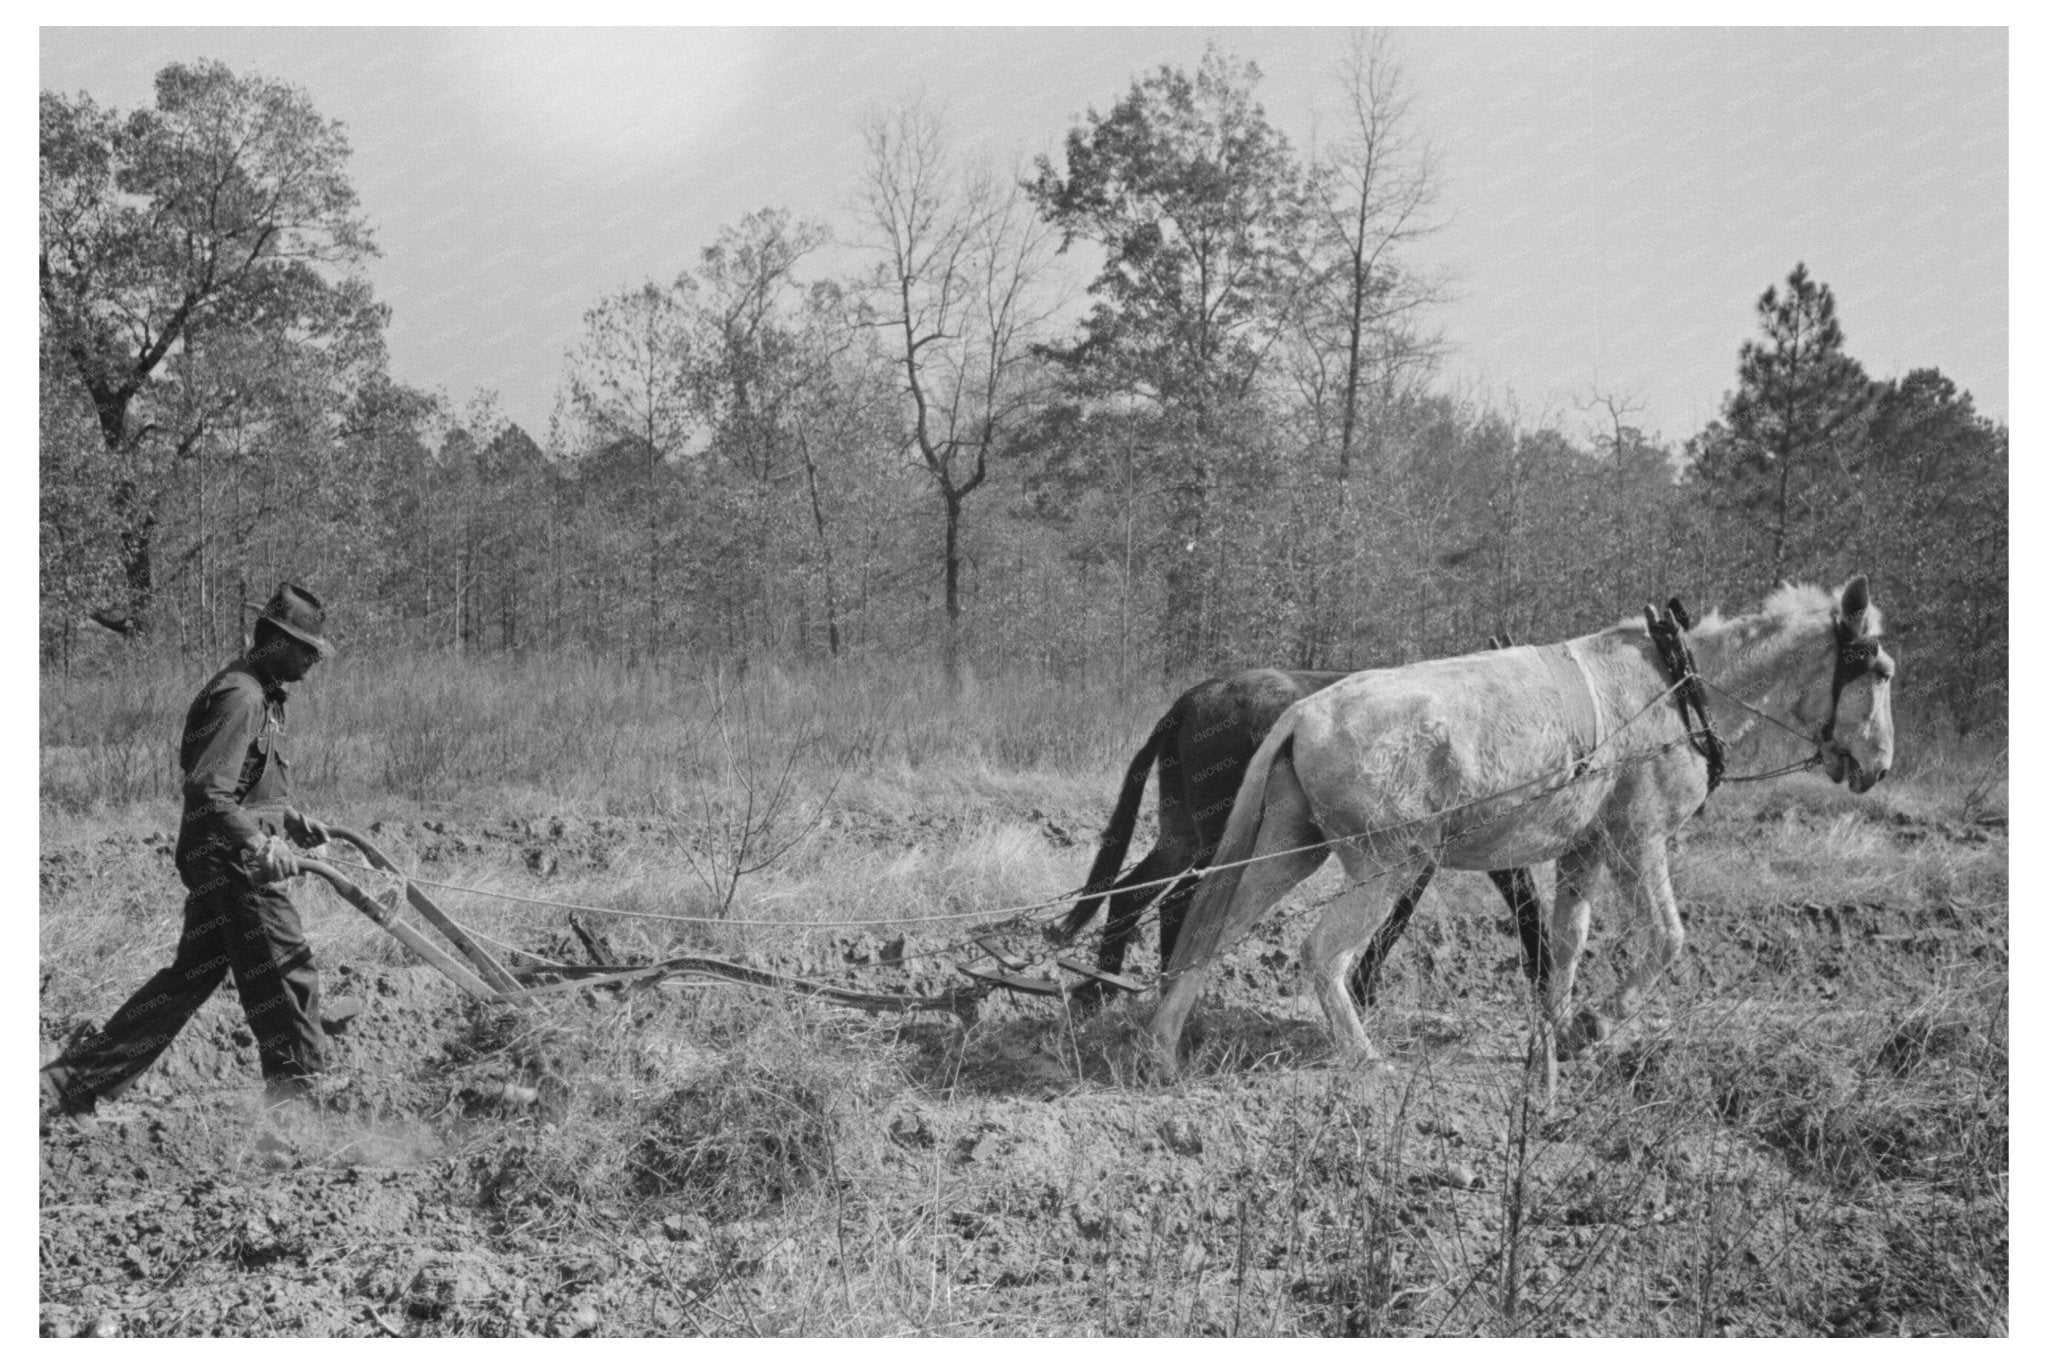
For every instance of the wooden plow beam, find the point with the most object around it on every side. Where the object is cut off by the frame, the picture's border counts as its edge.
(485, 977)
(960, 1003)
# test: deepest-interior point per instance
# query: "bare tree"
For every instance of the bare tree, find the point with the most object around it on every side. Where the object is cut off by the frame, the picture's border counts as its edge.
(1372, 192)
(957, 294)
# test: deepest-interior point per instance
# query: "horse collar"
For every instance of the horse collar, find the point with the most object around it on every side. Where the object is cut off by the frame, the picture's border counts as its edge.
(1668, 633)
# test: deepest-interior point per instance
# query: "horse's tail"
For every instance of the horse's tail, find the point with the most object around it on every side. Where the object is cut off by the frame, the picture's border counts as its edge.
(1208, 926)
(1116, 839)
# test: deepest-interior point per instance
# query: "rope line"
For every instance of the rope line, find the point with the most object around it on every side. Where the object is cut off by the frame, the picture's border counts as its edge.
(1566, 772)
(1564, 777)
(691, 918)
(1762, 714)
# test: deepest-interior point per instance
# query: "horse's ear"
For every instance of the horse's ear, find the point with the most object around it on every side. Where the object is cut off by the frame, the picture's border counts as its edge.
(1856, 600)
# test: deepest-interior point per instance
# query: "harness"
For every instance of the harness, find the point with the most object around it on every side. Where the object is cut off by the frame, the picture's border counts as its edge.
(1572, 687)
(1855, 656)
(1668, 633)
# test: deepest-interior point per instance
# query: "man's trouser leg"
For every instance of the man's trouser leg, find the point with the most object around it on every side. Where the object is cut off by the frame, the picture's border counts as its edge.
(231, 925)
(279, 986)
(137, 1034)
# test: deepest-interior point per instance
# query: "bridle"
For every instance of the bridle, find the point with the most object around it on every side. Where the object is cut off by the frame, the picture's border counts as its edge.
(1856, 656)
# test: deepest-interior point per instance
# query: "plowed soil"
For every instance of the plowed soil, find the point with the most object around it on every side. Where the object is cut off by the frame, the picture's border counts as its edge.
(1806, 1135)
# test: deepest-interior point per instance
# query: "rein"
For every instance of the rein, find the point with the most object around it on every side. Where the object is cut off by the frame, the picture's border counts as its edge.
(1668, 633)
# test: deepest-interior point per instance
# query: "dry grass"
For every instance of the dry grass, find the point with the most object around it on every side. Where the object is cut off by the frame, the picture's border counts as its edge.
(1808, 1132)
(581, 733)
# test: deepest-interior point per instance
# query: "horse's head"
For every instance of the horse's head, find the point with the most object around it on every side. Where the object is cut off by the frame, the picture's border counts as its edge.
(1856, 742)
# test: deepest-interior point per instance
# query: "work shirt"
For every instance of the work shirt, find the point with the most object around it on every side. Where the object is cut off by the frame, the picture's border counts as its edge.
(236, 781)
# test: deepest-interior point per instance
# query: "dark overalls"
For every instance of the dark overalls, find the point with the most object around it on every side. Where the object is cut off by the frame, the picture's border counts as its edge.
(236, 787)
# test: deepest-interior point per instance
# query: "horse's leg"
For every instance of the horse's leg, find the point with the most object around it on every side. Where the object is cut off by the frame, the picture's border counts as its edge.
(1339, 938)
(1191, 820)
(1127, 906)
(1517, 886)
(1570, 918)
(1365, 980)
(1644, 873)
(1286, 824)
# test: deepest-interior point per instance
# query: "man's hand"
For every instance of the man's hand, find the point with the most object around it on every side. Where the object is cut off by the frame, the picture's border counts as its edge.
(275, 862)
(304, 831)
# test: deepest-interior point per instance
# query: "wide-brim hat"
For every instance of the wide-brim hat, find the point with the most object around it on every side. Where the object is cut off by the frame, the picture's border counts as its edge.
(299, 614)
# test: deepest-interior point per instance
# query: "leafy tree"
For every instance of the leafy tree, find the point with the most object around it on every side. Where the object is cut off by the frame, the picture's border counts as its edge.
(390, 431)
(633, 404)
(1631, 504)
(1938, 490)
(756, 362)
(78, 566)
(749, 338)
(1785, 455)
(495, 483)
(1196, 201)
(222, 211)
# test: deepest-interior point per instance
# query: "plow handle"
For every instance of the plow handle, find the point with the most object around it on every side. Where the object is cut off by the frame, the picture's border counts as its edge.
(487, 966)
(404, 932)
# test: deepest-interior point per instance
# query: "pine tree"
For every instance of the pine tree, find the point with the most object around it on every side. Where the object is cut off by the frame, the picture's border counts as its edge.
(1785, 455)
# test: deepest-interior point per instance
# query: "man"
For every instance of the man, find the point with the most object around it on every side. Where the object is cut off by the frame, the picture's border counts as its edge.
(237, 915)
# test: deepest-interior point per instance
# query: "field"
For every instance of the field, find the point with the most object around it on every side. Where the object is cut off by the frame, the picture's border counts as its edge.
(1807, 1133)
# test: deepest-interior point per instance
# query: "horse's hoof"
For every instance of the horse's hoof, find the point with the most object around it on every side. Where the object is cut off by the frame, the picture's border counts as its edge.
(1542, 1071)
(1086, 1000)
(1586, 1030)
(1160, 1063)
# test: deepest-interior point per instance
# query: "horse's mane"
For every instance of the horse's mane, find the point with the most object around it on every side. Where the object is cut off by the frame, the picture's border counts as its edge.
(1788, 602)
(1743, 644)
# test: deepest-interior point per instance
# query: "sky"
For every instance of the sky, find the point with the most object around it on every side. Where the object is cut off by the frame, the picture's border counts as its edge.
(1614, 200)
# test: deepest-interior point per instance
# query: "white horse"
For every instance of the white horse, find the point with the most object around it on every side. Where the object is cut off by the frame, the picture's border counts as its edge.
(1576, 752)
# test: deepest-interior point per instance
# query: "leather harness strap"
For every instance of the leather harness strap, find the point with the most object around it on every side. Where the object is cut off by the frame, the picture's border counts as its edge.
(1855, 656)
(1668, 633)
(1573, 688)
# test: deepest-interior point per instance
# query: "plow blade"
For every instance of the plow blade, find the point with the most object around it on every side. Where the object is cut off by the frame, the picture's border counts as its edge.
(1109, 978)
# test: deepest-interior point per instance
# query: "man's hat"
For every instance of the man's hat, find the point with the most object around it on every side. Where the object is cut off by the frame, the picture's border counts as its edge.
(299, 614)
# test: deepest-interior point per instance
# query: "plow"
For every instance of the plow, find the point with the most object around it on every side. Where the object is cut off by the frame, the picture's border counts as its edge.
(986, 963)
(471, 967)
(983, 959)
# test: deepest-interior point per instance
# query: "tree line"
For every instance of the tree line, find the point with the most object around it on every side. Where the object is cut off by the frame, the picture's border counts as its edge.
(1235, 452)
